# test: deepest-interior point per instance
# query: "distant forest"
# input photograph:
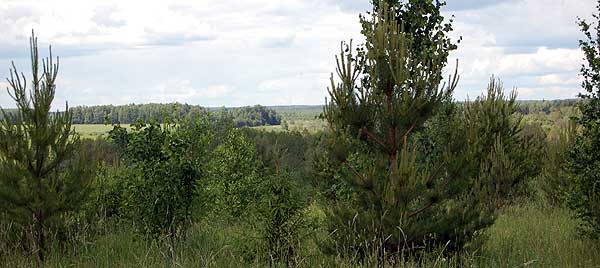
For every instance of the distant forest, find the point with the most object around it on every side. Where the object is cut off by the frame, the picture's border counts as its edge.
(544, 106)
(127, 114)
(250, 116)
(246, 116)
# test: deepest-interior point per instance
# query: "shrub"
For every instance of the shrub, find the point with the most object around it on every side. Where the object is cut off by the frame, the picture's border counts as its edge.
(282, 213)
(233, 175)
(555, 181)
(160, 179)
(584, 156)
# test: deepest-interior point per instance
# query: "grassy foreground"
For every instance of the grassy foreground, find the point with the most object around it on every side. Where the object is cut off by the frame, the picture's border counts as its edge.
(529, 236)
(524, 236)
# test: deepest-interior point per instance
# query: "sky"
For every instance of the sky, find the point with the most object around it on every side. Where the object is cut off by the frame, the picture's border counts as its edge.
(272, 52)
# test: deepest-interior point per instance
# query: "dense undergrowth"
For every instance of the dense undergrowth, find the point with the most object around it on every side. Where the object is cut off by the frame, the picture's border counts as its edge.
(528, 235)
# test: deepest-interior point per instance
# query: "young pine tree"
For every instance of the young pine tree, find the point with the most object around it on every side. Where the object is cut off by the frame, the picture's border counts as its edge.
(233, 175)
(507, 157)
(555, 178)
(584, 157)
(387, 197)
(41, 178)
(282, 213)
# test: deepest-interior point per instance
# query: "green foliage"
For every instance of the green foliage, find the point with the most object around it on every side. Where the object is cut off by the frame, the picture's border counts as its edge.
(584, 158)
(523, 236)
(429, 32)
(107, 196)
(160, 178)
(283, 217)
(285, 193)
(555, 180)
(408, 176)
(101, 150)
(233, 175)
(252, 116)
(507, 156)
(526, 235)
(42, 176)
(298, 112)
(399, 177)
(545, 107)
(129, 114)
(297, 156)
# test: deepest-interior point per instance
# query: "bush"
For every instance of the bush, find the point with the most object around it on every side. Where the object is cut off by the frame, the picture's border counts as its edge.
(555, 181)
(584, 156)
(282, 213)
(233, 175)
(159, 180)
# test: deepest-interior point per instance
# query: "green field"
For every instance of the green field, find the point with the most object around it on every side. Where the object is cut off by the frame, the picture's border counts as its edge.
(301, 125)
(92, 131)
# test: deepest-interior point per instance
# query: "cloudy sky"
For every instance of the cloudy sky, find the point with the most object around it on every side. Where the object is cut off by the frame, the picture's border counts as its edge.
(271, 52)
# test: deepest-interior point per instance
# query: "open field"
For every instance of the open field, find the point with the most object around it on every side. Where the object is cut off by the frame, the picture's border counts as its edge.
(301, 125)
(92, 131)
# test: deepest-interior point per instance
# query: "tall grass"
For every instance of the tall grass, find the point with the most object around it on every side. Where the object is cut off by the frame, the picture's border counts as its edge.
(523, 236)
(534, 236)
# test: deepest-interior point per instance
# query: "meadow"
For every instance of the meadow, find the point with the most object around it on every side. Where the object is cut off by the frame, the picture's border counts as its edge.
(92, 131)
(527, 235)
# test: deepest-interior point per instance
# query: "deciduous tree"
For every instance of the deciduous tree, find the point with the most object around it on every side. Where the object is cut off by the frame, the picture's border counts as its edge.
(584, 159)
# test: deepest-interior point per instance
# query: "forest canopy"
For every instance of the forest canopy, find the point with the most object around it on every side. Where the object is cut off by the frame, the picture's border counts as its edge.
(128, 114)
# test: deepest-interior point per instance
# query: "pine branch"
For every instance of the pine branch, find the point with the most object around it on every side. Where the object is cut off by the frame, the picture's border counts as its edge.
(373, 137)
(419, 211)
(361, 177)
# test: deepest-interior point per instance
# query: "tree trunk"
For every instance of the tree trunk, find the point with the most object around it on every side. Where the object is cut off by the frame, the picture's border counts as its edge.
(39, 239)
(392, 144)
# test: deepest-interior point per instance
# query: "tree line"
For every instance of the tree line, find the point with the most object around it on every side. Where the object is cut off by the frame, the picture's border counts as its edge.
(128, 114)
(545, 106)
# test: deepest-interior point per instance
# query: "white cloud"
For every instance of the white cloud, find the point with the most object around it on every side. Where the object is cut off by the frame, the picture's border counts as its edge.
(182, 90)
(552, 92)
(105, 17)
(544, 60)
(97, 23)
(272, 52)
(520, 41)
(302, 88)
(558, 79)
(537, 69)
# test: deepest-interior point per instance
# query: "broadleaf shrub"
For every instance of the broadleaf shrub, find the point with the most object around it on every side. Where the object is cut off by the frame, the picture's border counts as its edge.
(160, 179)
